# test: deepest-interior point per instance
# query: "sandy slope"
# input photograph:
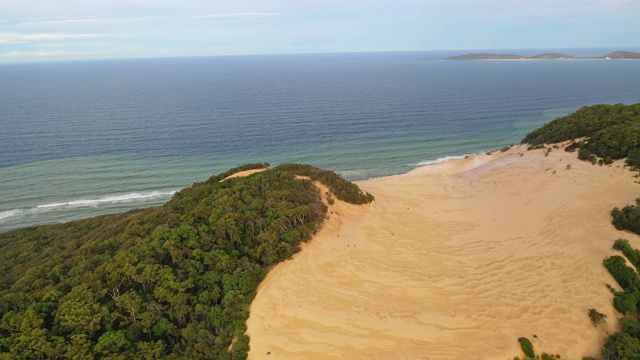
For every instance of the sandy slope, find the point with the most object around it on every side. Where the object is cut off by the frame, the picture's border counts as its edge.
(453, 261)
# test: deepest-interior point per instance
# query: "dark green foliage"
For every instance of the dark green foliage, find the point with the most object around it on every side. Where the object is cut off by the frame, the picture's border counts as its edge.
(574, 145)
(585, 122)
(586, 155)
(627, 218)
(545, 356)
(625, 301)
(630, 326)
(612, 132)
(633, 158)
(624, 275)
(527, 347)
(169, 282)
(596, 317)
(344, 190)
(626, 343)
(632, 254)
(621, 346)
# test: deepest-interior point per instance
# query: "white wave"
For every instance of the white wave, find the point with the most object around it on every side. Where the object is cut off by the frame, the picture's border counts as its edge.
(110, 199)
(439, 160)
(347, 174)
(10, 213)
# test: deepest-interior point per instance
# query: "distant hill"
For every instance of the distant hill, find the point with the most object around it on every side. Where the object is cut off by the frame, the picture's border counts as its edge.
(553, 56)
(623, 55)
(618, 55)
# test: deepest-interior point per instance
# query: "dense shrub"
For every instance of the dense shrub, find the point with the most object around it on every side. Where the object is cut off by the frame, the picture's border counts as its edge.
(625, 301)
(574, 145)
(624, 275)
(627, 218)
(527, 347)
(596, 317)
(586, 155)
(632, 254)
(624, 344)
(545, 356)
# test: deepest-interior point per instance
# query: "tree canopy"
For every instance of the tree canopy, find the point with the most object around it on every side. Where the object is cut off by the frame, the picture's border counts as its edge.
(170, 282)
(610, 132)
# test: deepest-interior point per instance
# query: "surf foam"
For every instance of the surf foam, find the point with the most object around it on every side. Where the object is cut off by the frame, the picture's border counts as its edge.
(111, 199)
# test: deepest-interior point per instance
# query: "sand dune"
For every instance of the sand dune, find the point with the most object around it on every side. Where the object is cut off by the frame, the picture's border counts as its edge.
(453, 261)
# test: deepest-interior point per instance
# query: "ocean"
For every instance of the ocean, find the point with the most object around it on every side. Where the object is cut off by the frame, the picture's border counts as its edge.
(79, 139)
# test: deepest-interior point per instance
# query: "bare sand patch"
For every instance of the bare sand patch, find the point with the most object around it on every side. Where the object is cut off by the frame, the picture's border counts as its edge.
(243, 173)
(453, 261)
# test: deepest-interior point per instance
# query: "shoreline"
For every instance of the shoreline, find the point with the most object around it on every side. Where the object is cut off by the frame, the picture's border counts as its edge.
(453, 260)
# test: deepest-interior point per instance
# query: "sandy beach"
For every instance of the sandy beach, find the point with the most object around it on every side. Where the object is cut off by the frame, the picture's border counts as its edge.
(453, 261)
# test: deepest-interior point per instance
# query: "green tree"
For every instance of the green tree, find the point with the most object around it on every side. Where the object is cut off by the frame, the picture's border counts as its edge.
(112, 342)
(80, 313)
(621, 346)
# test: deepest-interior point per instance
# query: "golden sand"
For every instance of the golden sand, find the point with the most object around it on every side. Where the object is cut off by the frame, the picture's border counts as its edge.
(453, 261)
(243, 173)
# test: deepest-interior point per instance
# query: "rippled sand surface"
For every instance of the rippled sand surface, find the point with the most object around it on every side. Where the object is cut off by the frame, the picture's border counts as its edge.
(453, 261)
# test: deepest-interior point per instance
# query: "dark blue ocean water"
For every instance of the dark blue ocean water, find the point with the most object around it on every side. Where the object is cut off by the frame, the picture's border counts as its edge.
(79, 139)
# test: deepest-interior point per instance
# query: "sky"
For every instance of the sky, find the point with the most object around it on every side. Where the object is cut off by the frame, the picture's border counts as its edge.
(36, 30)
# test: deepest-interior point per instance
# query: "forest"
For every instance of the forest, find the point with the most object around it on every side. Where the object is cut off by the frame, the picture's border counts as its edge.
(171, 282)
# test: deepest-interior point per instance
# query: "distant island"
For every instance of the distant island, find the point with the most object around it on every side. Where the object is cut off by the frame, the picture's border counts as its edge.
(617, 55)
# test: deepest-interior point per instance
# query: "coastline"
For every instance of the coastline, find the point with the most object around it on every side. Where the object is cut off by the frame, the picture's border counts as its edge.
(453, 260)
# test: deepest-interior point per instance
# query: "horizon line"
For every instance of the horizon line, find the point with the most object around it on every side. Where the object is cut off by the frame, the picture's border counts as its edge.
(42, 60)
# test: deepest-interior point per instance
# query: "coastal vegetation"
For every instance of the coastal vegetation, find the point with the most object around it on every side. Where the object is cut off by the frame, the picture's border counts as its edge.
(599, 132)
(527, 347)
(625, 343)
(596, 317)
(344, 190)
(529, 353)
(172, 282)
(627, 218)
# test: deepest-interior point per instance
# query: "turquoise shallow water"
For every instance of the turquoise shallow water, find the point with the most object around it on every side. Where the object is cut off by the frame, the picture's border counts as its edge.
(88, 138)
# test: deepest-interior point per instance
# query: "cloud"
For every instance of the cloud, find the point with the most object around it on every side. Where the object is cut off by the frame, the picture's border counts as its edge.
(17, 38)
(49, 54)
(72, 21)
(241, 15)
(111, 20)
